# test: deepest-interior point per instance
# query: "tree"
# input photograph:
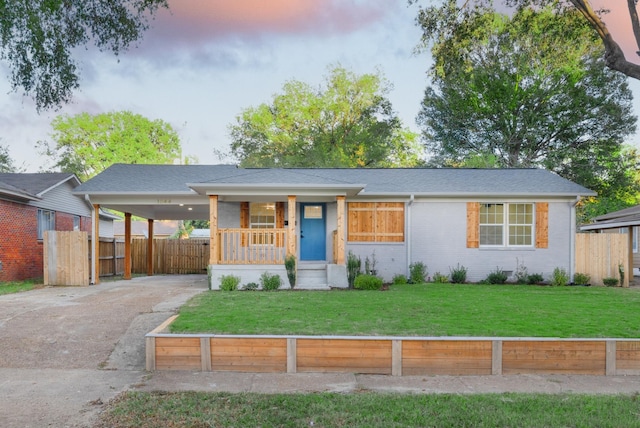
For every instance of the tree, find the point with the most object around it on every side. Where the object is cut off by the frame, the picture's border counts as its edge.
(612, 54)
(38, 40)
(86, 144)
(347, 123)
(6, 163)
(495, 98)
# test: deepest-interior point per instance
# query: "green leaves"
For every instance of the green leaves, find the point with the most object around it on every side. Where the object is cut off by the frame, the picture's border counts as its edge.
(347, 123)
(86, 144)
(38, 38)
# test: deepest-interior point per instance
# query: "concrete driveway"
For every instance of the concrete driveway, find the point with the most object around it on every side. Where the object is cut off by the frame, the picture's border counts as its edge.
(66, 350)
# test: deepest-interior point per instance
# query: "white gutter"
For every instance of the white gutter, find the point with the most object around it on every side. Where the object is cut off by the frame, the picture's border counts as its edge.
(572, 251)
(95, 216)
(408, 231)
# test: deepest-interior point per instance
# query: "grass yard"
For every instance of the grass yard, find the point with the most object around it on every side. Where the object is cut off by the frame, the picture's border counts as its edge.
(420, 310)
(191, 409)
(16, 287)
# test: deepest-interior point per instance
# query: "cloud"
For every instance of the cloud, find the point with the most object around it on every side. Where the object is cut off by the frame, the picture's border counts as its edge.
(195, 23)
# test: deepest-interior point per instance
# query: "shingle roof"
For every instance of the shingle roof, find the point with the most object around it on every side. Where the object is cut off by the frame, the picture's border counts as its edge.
(32, 185)
(121, 178)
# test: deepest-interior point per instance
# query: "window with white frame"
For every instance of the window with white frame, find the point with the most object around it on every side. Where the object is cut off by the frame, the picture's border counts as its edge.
(46, 221)
(506, 225)
(262, 216)
(76, 222)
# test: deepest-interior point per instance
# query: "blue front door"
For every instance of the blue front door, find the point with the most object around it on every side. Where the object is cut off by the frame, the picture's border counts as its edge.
(313, 236)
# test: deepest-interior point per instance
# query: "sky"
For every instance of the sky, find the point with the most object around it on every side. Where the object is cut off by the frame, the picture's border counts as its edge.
(204, 61)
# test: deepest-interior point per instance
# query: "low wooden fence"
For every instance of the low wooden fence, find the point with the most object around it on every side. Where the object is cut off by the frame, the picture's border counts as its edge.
(395, 356)
(601, 255)
(171, 256)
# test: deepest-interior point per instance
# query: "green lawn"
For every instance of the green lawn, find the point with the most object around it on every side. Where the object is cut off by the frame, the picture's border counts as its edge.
(420, 310)
(191, 409)
(16, 286)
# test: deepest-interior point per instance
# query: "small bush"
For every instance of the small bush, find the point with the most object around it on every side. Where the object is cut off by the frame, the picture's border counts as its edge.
(368, 282)
(535, 278)
(458, 274)
(610, 282)
(229, 282)
(290, 267)
(581, 278)
(399, 279)
(250, 286)
(522, 273)
(439, 278)
(270, 282)
(559, 277)
(417, 273)
(497, 277)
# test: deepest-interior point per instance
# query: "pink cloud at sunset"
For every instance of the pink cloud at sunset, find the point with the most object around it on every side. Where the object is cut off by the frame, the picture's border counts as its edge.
(197, 21)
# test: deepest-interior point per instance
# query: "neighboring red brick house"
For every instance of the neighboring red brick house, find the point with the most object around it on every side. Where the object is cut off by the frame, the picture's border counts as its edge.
(29, 205)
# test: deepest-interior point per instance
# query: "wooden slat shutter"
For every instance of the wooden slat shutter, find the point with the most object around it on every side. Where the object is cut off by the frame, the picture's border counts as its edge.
(542, 225)
(361, 222)
(244, 221)
(389, 222)
(279, 223)
(473, 224)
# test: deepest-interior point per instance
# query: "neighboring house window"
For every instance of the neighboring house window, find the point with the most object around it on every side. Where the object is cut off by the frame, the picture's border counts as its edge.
(46, 221)
(507, 224)
(76, 222)
(375, 222)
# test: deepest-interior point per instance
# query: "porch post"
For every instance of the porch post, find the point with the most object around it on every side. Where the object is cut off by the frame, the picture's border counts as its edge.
(291, 228)
(95, 271)
(340, 249)
(214, 249)
(127, 245)
(150, 247)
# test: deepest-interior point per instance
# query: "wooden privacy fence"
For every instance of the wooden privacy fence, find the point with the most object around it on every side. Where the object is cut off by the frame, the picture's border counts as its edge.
(65, 258)
(601, 254)
(111, 256)
(171, 256)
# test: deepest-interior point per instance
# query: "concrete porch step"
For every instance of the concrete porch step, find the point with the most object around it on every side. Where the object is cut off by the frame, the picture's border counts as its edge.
(312, 276)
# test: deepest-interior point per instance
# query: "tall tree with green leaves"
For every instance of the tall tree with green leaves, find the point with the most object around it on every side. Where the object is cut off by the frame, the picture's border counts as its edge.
(529, 91)
(447, 14)
(7, 164)
(348, 122)
(87, 144)
(38, 40)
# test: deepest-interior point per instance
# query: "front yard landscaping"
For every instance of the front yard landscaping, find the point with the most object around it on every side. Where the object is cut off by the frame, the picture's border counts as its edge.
(420, 310)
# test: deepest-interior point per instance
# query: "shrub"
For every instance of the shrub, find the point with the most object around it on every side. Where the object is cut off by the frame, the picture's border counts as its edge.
(497, 277)
(521, 274)
(368, 282)
(290, 266)
(229, 282)
(417, 273)
(270, 282)
(535, 278)
(458, 274)
(610, 282)
(250, 286)
(353, 268)
(439, 278)
(399, 279)
(581, 278)
(559, 277)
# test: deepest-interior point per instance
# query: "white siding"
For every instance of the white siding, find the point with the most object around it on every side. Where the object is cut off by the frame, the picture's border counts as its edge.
(438, 239)
(61, 199)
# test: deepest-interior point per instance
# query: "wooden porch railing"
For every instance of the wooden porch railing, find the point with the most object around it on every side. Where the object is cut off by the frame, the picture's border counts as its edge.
(252, 246)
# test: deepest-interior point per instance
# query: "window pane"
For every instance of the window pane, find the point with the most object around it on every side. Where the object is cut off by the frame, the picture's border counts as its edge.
(46, 221)
(491, 213)
(520, 213)
(262, 215)
(520, 235)
(491, 235)
(313, 211)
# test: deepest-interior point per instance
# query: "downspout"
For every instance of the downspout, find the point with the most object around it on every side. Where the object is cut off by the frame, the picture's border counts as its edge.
(572, 251)
(407, 231)
(94, 217)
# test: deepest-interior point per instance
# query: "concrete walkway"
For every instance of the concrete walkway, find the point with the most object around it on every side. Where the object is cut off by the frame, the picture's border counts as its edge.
(65, 352)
